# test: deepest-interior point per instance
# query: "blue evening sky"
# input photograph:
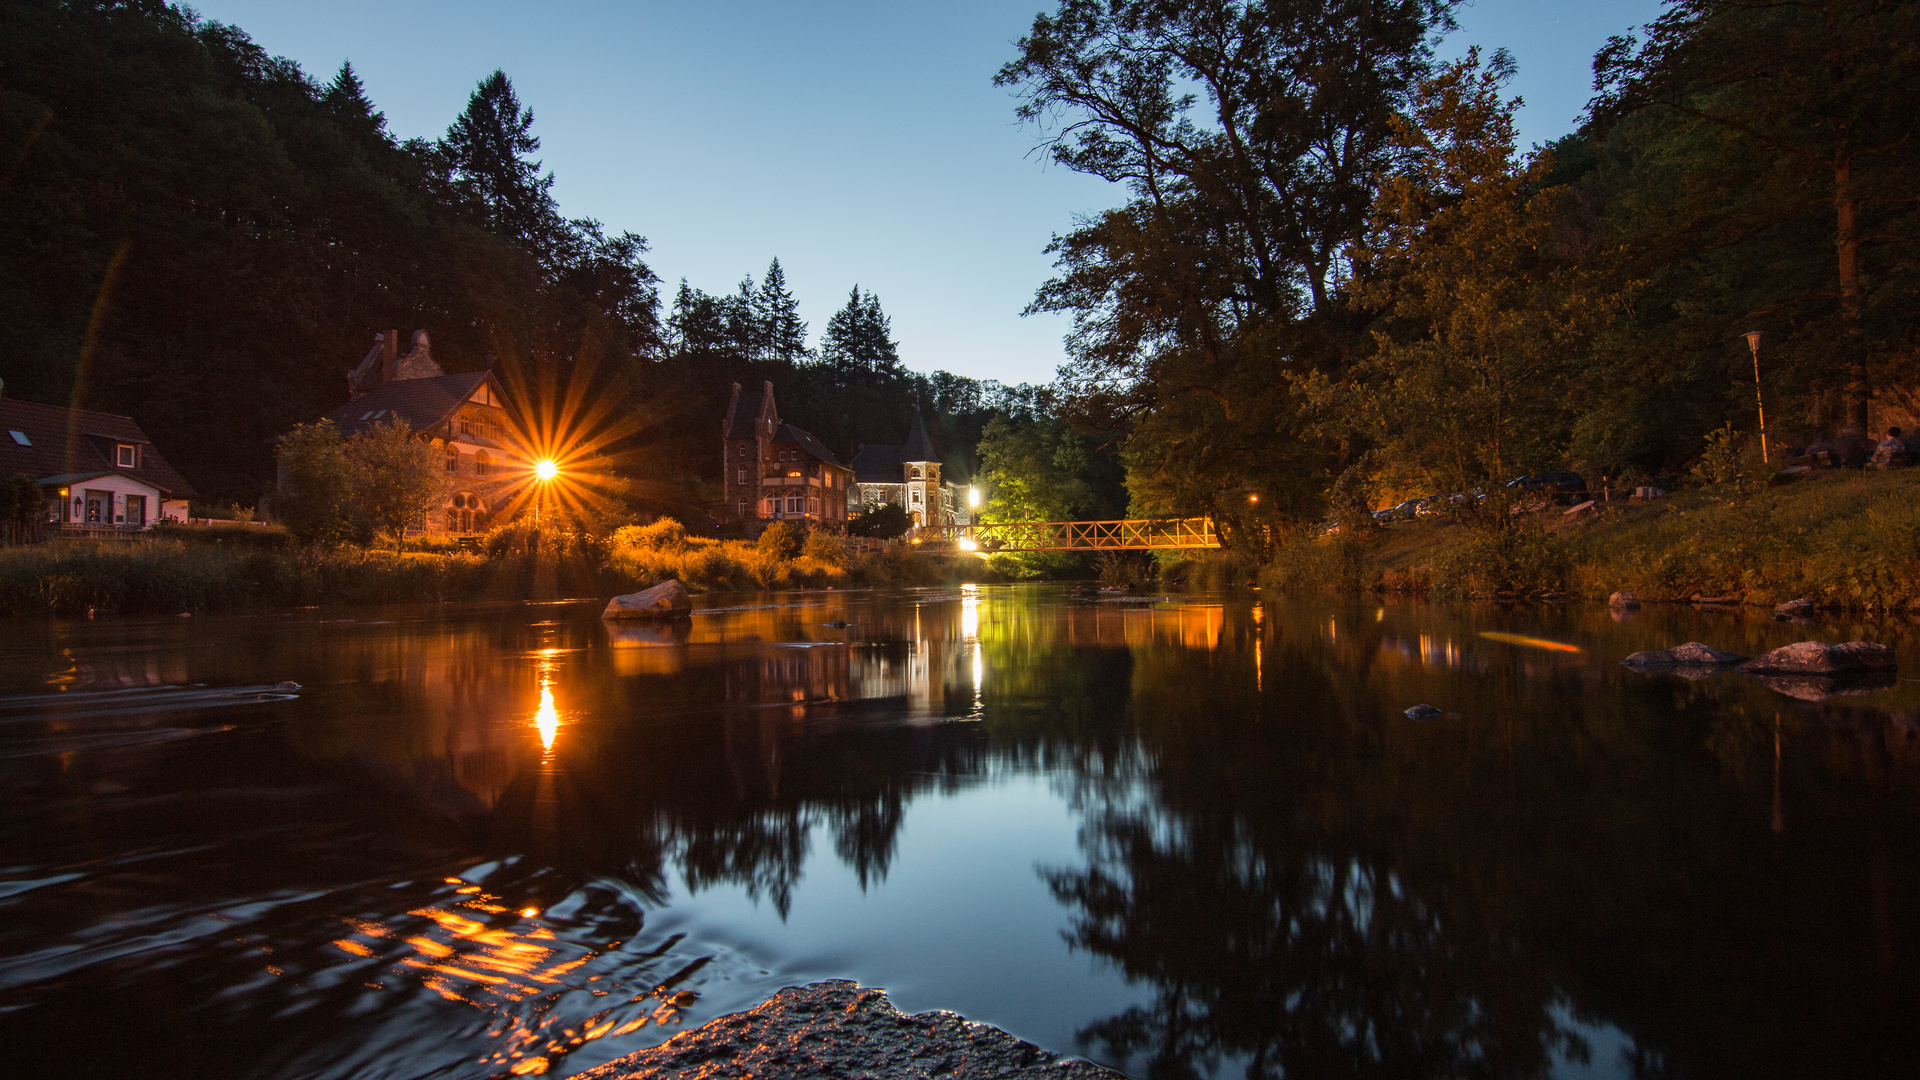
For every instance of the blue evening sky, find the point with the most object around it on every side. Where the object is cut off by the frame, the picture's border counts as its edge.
(860, 142)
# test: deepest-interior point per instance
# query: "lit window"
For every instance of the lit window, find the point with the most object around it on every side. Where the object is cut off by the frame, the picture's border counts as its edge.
(20, 437)
(125, 456)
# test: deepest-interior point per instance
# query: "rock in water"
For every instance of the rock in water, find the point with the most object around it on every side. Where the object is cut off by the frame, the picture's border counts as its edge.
(1695, 653)
(1623, 600)
(667, 600)
(1819, 658)
(1794, 609)
(1423, 712)
(1651, 658)
(836, 1029)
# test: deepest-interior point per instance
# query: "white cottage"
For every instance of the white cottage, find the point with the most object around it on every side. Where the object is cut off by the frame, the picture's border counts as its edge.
(95, 468)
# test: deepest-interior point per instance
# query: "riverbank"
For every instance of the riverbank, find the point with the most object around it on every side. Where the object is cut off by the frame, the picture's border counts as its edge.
(209, 569)
(1846, 540)
(836, 1029)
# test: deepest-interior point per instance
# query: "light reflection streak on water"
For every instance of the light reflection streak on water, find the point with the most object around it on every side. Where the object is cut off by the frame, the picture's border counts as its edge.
(491, 967)
(547, 718)
(1529, 642)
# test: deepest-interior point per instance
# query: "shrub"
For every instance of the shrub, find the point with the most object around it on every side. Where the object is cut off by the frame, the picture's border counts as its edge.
(226, 534)
(779, 541)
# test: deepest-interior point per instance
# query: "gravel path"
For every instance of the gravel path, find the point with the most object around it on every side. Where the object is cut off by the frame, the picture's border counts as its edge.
(836, 1029)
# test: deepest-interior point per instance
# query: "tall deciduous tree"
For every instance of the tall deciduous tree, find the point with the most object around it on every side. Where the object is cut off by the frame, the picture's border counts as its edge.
(314, 498)
(397, 479)
(1248, 135)
(1489, 301)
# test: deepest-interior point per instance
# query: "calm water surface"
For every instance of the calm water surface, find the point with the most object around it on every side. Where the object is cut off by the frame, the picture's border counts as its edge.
(1187, 836)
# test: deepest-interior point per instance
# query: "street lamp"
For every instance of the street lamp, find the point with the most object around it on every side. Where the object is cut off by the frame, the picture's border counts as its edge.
(544, 471)
(1753, 346)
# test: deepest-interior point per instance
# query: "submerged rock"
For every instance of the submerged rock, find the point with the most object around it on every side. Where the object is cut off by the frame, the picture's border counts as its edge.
(1623, 601)
(1691, 655)
(1423, 712)
(836, 1029)
(667, 600)
(1819, 658)
(1794, 609)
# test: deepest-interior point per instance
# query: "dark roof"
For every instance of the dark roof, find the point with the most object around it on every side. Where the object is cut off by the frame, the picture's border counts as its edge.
(813, 446)
(68, 441)
(746, 411)
(918, 446)
(422, 403)
(878, 465)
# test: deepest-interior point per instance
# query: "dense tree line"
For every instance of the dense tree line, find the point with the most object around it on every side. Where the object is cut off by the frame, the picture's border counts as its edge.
(1338, 275)
(204, 237)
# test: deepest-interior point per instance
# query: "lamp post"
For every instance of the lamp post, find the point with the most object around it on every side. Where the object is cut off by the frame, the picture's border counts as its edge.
(1753, 346)
(544, 472)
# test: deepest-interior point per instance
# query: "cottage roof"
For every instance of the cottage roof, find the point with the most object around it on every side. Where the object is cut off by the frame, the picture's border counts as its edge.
(918, 446)
(62, 442)
(813, 446)
(422, 403)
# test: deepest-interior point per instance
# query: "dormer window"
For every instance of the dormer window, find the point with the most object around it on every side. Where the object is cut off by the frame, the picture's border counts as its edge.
(126, 456)
(915, 474)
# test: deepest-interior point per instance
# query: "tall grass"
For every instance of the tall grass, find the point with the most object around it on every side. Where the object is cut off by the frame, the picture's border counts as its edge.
(1843, 539)
(75, 577)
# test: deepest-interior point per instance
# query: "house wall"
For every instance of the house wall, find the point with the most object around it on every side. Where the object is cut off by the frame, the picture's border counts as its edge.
(113, 502)
(483, 472)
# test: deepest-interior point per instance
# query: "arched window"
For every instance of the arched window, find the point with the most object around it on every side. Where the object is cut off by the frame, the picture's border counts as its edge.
(453, 458)
(915, 474)
(482, 464)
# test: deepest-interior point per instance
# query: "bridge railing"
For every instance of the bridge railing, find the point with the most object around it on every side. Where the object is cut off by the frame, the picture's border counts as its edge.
(1137, 534)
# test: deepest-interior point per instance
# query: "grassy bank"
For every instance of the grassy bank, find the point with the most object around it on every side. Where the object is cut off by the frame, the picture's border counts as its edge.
(1846, 540)
(217, 568)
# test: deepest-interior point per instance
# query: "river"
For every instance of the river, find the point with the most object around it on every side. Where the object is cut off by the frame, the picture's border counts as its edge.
(1179, 835)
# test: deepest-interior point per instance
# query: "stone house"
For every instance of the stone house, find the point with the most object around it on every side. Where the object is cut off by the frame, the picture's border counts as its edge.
(464, 417)
(773, 471)
(909, 476)
(95, 468)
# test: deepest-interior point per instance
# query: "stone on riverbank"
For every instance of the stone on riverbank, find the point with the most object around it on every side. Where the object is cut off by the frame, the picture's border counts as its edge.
(1819, 658)
(836, 1029)
(667, 600)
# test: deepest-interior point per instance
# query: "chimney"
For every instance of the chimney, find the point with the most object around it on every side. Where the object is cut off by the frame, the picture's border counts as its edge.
(389, 355)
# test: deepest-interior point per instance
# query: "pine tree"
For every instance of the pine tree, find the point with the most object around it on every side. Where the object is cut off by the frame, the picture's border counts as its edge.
(346, 97)
(745, 331)
(859, 339)
(487, 150)
(784, 331)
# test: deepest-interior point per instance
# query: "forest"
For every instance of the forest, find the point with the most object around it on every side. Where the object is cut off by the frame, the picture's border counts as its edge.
(1338, 279)
(206, 237)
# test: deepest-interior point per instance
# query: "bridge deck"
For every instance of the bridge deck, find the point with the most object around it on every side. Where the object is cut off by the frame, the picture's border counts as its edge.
(1139, 534)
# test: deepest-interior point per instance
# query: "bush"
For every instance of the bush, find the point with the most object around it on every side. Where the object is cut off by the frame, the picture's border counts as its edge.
(779, 540)
(884, 522)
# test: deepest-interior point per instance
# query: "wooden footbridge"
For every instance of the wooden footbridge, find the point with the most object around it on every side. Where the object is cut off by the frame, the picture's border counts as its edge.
(1139, 534)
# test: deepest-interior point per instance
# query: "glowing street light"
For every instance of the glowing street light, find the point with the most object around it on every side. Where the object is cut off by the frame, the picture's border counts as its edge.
(544, 471)
(973, 497)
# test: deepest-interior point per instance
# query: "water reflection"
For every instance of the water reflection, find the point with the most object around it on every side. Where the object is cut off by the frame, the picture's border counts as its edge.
(521, 841)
